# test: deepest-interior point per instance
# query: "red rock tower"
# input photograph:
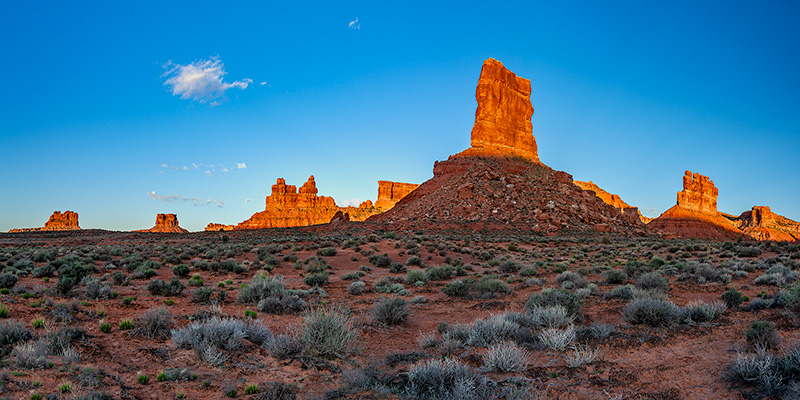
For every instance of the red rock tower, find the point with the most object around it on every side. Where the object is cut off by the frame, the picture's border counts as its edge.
(698, 194)
(503, 117)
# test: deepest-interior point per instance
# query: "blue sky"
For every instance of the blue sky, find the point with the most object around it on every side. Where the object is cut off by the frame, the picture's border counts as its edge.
(98, 106)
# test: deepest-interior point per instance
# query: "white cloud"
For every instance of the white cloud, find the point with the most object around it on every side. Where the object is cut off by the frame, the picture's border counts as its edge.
(209, 173)
(241, 165)
(176, 198)
(263, 83)
(354, 24)
(248, 200)
(201, 80)
(350, 203)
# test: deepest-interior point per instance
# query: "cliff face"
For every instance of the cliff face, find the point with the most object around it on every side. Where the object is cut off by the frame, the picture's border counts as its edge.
(389, 193)
(66, 221)
(166, 223)
(698, 194)
(613, 200)
(503, 117)
(215, 227)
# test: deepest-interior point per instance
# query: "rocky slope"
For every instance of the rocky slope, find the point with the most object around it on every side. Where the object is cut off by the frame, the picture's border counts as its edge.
(613, 200)
(166, 223)
(66, 221)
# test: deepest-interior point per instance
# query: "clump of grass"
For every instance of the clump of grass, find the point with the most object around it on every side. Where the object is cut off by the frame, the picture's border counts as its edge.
(328, 333)
(154, 324)
(651, 312)
(506, 357)
(393, 311)
(555, 297)
(558, 339)
(762, 335)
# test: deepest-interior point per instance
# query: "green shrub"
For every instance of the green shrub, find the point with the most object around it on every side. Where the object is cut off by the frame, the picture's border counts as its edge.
(158, 287)
(125, 324)
(416, 275)
(253, 389)
(762, 335)
(7, 281)
(357, 287)
(105, 327)
(651, 312)
(202, 295)
(397, 268)
(3, 311)
(652, 281)
(154, 324)
(127, 300)
(318, 279)
(555, 297)
(615, 277)
(326, 252)
(749, 252)
(442, 273)
(458, 287)
(732, 298)
(143, 379)
(181, 270)
(381, 261)
(490, 287)
(510, 267)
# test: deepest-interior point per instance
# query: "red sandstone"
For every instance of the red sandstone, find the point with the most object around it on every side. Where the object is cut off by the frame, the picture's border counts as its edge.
(166, 223)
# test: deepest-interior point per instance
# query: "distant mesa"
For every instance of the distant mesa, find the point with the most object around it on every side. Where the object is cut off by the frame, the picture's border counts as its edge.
(613, 200)
(287, 206)
(214, 227)
(499, 181)
(696, 216)
(166, 223)
(66, 221)
(503, 117)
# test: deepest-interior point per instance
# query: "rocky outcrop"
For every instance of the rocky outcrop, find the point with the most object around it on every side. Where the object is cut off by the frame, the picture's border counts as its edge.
(613, 200)
(696, 216)
(66, 221)
(215, 227)
(389, 193)
(503, 117)
(698, 194)
(340, 217)
(287, 206)
(166, 223)
(761, 223)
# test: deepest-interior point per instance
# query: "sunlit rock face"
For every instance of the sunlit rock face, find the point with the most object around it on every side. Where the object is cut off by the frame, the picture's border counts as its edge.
(166, 223)
(66, 221)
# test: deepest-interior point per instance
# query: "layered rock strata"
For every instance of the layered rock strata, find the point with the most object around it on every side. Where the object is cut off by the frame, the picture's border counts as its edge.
(215, 227)
(761, 223)
(389, 193)
(66, 221)
(166, 223)
(503, 117)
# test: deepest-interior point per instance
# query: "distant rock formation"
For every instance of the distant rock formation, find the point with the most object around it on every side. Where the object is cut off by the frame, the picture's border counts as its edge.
(499, 182)
(340, 217)
(66, 221)
(613, 200)
(696, 216)
(166, 223)
(503, 117)
(287, 207)
(698, 194)
(389, 193)
(761, 223)
(214, 227)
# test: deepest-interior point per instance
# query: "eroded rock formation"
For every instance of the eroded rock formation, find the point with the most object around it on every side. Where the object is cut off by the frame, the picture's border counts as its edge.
(503, 117)
(66, 221)
(287, 207)
(215, 227)
(613, 200)
(166, 223)
(761, 223)
(389, 193)
(696, 216)
(699, 193)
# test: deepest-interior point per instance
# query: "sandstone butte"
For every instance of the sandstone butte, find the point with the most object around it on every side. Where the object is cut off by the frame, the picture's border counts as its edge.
(287, 206)
(166, 223)
(613, 200)
(499, 181)
(66, 221)
(696, 216)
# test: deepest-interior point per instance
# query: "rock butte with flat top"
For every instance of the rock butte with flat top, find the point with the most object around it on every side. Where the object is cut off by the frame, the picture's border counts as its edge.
(613, 200)
(166, 223)
(66, 221)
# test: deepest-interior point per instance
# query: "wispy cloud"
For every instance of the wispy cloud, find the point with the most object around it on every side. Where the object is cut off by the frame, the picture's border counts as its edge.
(200, 81)
(176, 198)
(208, 169)
(354, 24)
